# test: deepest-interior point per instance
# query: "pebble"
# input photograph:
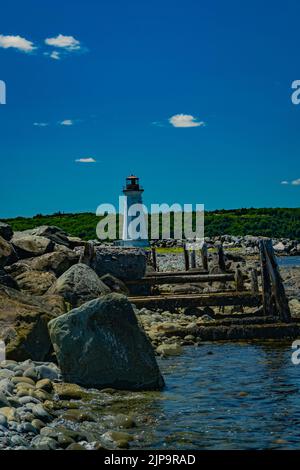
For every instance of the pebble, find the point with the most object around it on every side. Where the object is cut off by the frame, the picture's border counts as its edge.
(3, 421)
(44, 443)
(40, 413)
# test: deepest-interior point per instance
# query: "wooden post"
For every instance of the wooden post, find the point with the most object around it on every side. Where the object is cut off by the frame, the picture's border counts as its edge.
(186, 257)
(274, 297)
(193, 258)
(278, 291)
(254, 281)
(204, 256)
(88, 254)
(239, 280)
(154, 259)
(266, 283)
(221, 257)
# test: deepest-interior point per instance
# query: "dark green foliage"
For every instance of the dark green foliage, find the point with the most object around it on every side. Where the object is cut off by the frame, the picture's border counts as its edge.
(274, 223)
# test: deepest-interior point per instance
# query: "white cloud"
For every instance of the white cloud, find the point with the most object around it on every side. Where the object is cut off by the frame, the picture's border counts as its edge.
(40, 124)
(284, 182)
(67, 122)
(185, 120)
(296, 182)
(55, 55)
(16, 42)
(65, 42)
(86, 160)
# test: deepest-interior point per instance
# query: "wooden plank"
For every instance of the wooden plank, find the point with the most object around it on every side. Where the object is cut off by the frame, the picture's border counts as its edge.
(170, 302)
(193, 272)
(183, 279)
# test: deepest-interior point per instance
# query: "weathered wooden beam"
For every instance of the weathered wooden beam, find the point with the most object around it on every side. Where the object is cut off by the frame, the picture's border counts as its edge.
(277, 287)
(183, 279)
(195, 272)
(171, 302)
(266, 282)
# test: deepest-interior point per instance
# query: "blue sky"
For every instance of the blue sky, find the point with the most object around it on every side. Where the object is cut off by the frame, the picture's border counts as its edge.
(114, 81)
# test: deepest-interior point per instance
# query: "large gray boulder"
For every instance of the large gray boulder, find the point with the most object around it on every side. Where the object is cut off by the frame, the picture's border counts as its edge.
(6, 251)
(28, 246)
(35, 282)
(57, 263)
(123, 263)
(6, 231)
(79, 285)
(23, 324)
(101, 345)
(55, 234)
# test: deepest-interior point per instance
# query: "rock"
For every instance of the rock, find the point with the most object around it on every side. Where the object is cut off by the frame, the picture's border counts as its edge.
(23, 380)
(199, 312)
(6, 231)
(280, 247)
(75, 446)
(57, 263)
(115, 285)
(6, 251)
(167, 349)
(7, 280)
(38, 424)
(44, 443)
(78, 285)
(50, 372)
(23, 326)
(27, 246)
(123, 263)
(71, 392)
(100, 344)
(3, 421)
(55, 234)
(78, 416)
(3, 400)
(120, 439)
(40, 413)
(44, 384)
(295, 307)
(9, 413)
(35, 282)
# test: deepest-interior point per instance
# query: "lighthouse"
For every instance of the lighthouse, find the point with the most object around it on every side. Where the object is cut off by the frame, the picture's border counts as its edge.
(135, 232)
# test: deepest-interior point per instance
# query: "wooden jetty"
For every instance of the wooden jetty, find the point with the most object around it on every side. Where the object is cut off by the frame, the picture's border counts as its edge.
(271, 320)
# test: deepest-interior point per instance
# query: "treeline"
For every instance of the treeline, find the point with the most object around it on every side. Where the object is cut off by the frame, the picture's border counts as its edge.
(276, 223)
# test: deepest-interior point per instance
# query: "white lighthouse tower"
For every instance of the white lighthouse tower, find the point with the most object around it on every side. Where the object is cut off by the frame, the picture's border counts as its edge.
(135, 233)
